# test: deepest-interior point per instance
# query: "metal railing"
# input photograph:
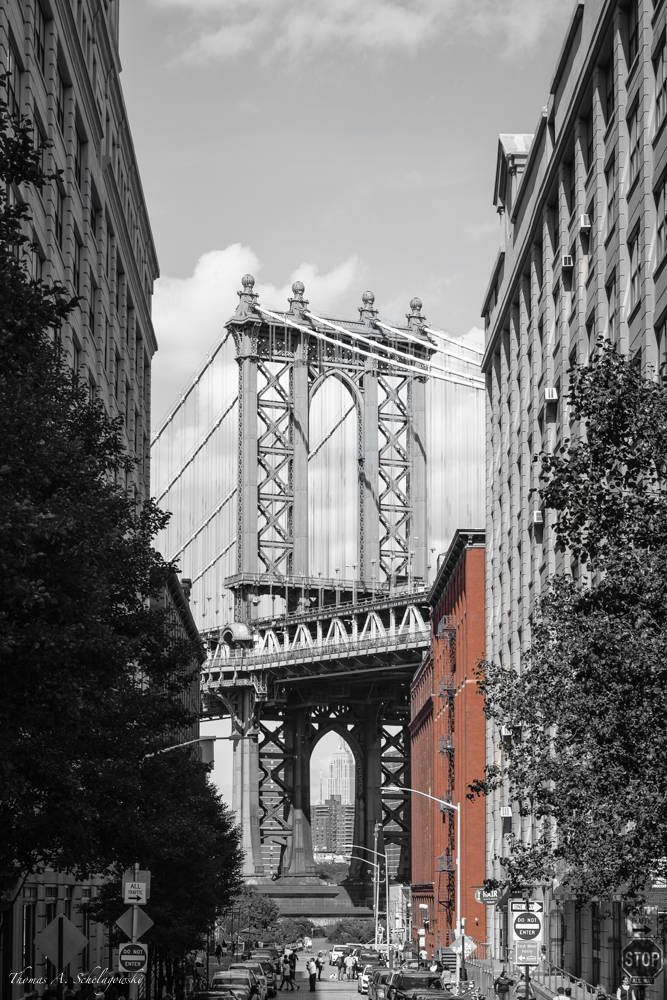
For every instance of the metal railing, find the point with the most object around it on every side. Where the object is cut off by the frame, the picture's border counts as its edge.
(551, 977)
(241, 660)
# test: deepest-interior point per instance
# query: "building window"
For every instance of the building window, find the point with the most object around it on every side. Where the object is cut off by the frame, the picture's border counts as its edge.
(13, 73)
(612, 202)
(609, 93)
(116, 379)
(106, 344)
(589, 142)
(612, 310)
(59, 213)
(76, 265)
(633, 251)
(633, 137)
(92, 310)
(76, 357)
(660, 68)
(109, 248)
(633, 32)
(94, 219)
(39, 37)
(60, 101)
(29, 930)
(79, 143)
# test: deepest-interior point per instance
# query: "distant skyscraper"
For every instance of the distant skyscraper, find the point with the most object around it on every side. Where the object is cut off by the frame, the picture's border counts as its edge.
(341, 774)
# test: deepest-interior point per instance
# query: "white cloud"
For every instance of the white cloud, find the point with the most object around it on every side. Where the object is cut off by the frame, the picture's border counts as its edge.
(189, 313)
(225, 29)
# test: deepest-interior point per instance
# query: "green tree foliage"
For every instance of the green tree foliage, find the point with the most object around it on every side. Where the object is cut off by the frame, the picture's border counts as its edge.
(291, 929)
(587, 711)
(351, 929)
(250, 914)
(186, 837)
(93, 678)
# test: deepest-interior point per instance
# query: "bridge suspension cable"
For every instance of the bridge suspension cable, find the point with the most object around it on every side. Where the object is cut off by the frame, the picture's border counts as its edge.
(199, 447)
(439, 335)
(286, 321)
(389, 350)
(205, 523)
(331, 433)
(420, 340)
(189, 388)
(214, 561)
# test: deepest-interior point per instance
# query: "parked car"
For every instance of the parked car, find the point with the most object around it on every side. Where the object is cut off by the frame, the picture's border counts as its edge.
(255, 967)
(364, 977)
(406, 983)
(241, 981)
(377, 984)
(267, 964)
(219, 993)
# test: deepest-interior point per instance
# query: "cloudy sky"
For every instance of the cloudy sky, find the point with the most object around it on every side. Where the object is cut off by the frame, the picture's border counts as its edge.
(350, 143)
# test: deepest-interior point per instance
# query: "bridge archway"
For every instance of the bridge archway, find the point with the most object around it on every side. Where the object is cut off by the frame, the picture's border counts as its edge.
(333, 478)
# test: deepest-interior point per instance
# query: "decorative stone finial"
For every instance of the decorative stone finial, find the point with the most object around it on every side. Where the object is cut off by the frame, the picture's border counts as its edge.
(297, 304)
(367, 313)
(415, 319)
(245, 310)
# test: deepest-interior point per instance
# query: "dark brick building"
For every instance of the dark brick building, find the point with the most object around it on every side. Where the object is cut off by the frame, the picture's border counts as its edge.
(447, 737)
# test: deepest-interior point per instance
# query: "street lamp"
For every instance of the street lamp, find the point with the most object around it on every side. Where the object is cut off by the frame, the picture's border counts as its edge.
(379, 854)
(453, 807)
(252, 734)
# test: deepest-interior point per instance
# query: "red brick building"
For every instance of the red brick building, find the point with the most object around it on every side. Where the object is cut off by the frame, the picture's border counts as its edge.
(447, 737)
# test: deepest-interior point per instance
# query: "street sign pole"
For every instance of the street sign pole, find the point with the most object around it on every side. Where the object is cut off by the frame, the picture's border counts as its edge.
(133, 990)
(61, 949)
(527, 967)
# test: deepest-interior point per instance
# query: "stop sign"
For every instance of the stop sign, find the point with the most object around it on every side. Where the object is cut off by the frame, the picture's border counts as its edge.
(642, 960)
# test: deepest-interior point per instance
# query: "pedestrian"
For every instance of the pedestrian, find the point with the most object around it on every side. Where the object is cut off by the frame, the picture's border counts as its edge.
(311, 966)
(286, 972)
(524, 989)
(502, 984)
(218, 953)
(292, 964)
(319, 962)
(349, 966)
(625, 990)
(339, 964)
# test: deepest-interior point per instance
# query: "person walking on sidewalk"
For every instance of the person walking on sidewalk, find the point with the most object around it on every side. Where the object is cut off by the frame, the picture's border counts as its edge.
(286, 970)
(311, 966)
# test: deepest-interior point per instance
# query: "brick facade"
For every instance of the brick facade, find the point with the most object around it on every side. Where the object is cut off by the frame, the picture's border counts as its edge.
(447, 736)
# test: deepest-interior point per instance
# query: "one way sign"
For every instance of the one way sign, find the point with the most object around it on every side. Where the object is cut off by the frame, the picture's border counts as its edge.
(134, 892)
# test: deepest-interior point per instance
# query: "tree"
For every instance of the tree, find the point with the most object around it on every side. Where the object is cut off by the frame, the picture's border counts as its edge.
(186, 837)
(93, 677)
(587, 711)
(290, 929)
(250, 914)
(352, 929)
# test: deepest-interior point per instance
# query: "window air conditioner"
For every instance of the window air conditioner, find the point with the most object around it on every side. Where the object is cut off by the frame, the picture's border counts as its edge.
(505, 732)
(584, 223)
(538, 517)
(567, 262)
(551, 394)
(505, 812)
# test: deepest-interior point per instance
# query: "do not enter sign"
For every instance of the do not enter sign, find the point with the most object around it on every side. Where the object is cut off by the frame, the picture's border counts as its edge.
(132, 957)
(527, 926)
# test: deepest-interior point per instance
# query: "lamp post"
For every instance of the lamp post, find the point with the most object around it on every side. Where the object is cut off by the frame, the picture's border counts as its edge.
(453, 807)
(252, 734)
(379, 854)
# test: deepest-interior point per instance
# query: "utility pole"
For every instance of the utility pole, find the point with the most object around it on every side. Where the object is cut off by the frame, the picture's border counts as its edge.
(376, 883)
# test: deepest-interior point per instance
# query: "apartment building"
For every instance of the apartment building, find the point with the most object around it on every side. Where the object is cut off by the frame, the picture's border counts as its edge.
(447, 748)
(92, 232)
(583, 207)
(91, 227)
